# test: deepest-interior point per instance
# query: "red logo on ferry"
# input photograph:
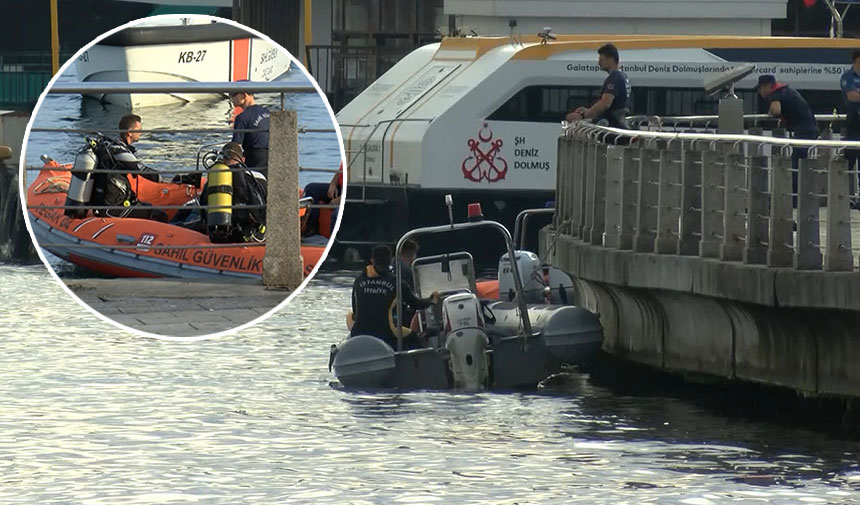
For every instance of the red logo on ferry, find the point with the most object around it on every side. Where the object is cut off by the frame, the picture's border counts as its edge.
(483, 164)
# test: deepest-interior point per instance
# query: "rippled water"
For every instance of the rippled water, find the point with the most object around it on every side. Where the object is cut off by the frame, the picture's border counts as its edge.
(93, 415)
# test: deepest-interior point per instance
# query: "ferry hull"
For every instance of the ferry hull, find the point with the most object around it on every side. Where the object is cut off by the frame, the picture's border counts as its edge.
(382, 214)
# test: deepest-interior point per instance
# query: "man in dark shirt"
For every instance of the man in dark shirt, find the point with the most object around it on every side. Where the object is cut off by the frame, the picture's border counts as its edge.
(786, 103)
(374, 294)
(615, 99)
(113, 188)
(850, 84)
(255, 144)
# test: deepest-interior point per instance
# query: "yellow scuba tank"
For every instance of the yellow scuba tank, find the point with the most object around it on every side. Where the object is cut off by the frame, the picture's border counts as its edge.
(219, 217)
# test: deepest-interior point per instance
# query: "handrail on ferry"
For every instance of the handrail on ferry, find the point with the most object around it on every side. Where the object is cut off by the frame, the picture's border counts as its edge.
(363, 148)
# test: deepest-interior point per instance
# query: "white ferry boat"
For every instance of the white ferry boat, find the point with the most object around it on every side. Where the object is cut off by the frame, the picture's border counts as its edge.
(480, 117)
(173, 50)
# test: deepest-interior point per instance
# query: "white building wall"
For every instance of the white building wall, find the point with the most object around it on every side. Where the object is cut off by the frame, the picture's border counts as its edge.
(680, 17)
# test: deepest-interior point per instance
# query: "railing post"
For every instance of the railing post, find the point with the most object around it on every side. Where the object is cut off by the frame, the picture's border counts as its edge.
(282, 263)
(808, 252)
(669, 199)
(588, 195)
(646, 215)
(560, 182)
(598, 206)
(578, 197)
(755, 252)
(691, 200)
(780, 251)
(713, 168)
(590, 189)
(614, 195)
(734, 203)
(838, 254)
(629, 198)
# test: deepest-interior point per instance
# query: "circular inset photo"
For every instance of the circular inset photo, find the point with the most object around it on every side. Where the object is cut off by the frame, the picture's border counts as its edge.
(181, 176)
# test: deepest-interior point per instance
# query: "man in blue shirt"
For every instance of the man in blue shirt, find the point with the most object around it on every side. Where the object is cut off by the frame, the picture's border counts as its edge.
(615, 99)
(850, 84)
(255, 144)
(787, 104)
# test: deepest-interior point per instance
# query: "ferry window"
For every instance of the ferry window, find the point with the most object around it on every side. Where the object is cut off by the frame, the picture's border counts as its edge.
(549, 104)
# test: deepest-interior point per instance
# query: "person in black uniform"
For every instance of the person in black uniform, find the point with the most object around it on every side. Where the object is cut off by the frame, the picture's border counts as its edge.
(850, 85)
(615, 99)
(113, 188)
(255, 144)
(787, 104)
(374, 294)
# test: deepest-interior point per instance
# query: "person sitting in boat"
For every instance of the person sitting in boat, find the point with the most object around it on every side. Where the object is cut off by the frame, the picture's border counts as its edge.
(111, 187)
(323, 193)
(408, 253)
(374, 294)
(253, 117)
(249, 188)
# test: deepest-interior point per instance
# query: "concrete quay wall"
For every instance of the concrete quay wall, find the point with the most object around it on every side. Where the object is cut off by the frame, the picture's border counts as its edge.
(789, 328)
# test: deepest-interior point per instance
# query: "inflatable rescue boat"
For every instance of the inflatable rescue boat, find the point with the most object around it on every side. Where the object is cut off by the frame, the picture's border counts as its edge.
(132, 247)
(464, 341)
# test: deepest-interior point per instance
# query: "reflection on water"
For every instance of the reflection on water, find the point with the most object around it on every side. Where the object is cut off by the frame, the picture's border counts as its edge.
(97, 416)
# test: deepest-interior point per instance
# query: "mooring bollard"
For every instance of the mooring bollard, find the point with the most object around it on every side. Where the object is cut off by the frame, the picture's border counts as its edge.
(282, 264)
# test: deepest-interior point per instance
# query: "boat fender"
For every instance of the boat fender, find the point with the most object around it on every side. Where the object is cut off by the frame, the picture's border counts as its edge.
(81, 183)
(219, 217)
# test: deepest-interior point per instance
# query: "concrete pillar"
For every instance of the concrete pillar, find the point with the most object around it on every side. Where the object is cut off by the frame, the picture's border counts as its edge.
(646, 211)
(734, 206)
(713, 179)
(669, 199)
(755, 251)
(614, 195)
(282, 265)
(807, 253)
(691, 200)
(838, 254)
(780, 251)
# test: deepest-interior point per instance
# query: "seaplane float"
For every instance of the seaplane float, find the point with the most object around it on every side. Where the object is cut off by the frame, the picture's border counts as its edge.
(133, 247)
(467, 342)
(178, 49)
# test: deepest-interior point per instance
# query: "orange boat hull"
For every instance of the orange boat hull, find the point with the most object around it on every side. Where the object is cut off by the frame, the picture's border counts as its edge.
(131, 247)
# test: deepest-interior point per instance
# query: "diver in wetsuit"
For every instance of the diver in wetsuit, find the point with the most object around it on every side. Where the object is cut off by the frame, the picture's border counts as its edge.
(112, 188)
(374, 295)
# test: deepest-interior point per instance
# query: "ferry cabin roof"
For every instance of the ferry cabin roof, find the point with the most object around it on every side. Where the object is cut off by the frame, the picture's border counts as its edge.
(443, 109)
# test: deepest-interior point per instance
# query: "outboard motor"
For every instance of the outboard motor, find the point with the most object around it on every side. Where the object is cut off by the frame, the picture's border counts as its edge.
(219, 217)
(466, 341)
(81, 183)
(528, 265)
(541, 283)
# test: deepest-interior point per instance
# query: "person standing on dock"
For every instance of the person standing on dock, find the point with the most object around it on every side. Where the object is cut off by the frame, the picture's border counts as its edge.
(787, 104)
(850, 84)
(255, 144)
(615, 95)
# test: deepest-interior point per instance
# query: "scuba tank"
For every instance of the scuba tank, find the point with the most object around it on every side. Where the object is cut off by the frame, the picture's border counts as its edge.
(81, 183)
(219, 217)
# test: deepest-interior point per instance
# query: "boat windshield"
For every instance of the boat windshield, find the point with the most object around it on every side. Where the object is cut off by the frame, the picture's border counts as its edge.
(444, 273)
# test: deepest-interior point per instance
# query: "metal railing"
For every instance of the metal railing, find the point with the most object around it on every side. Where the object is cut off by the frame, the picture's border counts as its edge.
(728, 197)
